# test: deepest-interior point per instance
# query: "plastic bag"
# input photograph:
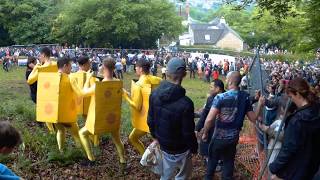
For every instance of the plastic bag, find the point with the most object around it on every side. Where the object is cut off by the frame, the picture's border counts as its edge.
(152, 158)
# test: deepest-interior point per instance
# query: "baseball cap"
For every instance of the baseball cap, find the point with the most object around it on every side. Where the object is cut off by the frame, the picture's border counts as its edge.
(175, 65)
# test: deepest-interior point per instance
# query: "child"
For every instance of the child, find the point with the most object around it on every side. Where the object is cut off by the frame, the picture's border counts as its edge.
(9, 138)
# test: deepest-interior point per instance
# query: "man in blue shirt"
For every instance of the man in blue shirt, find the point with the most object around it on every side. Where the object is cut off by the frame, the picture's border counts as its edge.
(9, 138)
(227, 112)
(119, 69)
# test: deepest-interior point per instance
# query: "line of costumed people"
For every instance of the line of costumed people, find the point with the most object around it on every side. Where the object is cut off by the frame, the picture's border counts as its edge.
(61, 96)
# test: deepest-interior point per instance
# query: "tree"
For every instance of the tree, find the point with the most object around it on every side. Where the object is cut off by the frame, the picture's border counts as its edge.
(122, 23)
(28, 21)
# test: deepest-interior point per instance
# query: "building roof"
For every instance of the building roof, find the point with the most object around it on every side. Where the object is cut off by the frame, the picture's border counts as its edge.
(216, 29)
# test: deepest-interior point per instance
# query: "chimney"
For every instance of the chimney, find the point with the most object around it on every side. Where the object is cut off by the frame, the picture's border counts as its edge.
(222, 20)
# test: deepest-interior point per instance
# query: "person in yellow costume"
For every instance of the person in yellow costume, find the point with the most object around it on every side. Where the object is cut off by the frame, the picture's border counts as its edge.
(46, 65)
(108, 68)
(136, 102)
(66, 82)
(82, 75)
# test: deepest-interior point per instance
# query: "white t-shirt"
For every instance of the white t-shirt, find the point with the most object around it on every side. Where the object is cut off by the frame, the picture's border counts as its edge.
(163, 70)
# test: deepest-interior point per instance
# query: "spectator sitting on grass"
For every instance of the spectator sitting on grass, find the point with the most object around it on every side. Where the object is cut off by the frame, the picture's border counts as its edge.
(9, 138)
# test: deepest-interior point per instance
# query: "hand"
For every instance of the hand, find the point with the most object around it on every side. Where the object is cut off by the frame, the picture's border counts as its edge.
(275, 177)
(263, 127)
(198, 135)
(126, 92)
(31, 65)
(155, 141)
(257, 94)
(204, 136)
(262, 100)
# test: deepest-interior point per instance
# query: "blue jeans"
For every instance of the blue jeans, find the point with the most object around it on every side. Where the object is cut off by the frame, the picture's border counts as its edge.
(173, 162)
(224, 150)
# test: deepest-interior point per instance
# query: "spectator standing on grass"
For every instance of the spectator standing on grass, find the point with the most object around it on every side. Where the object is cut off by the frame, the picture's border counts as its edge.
(216, 87)
(164, 71)
(119, 69)
(193, 68)
(207, 73)
(227, 114)
(5, 64)
(299, 156)
(171, 124)
(32, 61)
(9, 138)
(124, 63)
(215, 74)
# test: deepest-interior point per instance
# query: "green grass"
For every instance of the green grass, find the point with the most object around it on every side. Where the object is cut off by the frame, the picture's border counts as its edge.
(17, 107)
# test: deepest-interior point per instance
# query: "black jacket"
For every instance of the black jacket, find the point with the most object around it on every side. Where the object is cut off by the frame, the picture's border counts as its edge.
(204, 113)
(171, 119)
(299, 157)
(33, 88)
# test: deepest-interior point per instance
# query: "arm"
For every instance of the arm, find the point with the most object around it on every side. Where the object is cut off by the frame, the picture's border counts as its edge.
(270, 130)
(85, 92)
(188, 129)
(6, 173)
(253, 116)
(214, 111)
(209, 122)
(204, 114)
(150, 119)
(135, 101)
(33, 77)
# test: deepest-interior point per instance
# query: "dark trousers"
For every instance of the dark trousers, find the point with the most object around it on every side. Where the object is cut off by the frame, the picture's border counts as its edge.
(192, 74)
(224, 150)
(164, 76)
(119, 74)
(5, 66)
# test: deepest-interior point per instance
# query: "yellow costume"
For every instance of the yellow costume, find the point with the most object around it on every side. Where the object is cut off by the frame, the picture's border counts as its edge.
(139, 102)
(33, 77)
(60, 106)
(104, 115)
(82, 102)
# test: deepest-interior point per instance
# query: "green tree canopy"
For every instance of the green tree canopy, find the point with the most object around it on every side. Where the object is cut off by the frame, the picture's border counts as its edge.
(27, 21)
(118, 23)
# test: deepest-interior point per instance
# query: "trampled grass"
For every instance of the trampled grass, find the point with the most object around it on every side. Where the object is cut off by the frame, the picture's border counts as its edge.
(17, 107)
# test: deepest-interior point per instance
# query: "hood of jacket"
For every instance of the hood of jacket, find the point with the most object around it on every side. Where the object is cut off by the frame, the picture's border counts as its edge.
(168, 92)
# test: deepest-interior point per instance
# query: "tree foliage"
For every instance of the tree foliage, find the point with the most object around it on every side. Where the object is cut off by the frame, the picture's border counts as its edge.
(125, 23)
(27, 21)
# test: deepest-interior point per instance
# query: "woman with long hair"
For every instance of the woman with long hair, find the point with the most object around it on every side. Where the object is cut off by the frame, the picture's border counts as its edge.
(299, 156)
